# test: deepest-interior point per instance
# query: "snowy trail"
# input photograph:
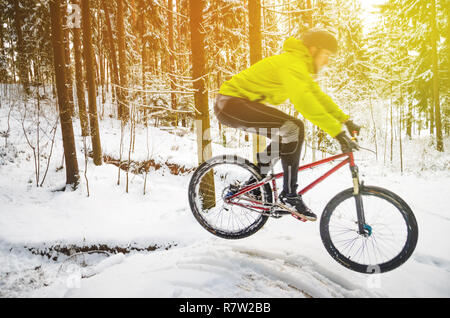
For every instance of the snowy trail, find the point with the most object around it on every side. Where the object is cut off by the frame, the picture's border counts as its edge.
(285, 258)
(208, 269)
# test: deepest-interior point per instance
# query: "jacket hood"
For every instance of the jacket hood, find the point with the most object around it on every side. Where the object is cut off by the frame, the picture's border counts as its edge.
(295, 46)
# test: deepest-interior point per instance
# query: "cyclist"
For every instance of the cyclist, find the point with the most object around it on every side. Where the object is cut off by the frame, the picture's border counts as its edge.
(242, 103)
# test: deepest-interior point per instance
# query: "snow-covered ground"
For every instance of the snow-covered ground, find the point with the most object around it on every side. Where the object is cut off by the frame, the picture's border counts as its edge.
(285, 258)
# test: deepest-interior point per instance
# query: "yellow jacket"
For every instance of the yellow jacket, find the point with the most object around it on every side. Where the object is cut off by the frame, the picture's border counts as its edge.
(275, 79)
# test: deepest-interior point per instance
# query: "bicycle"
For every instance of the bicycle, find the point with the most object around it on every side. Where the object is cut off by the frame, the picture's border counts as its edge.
(376, 233)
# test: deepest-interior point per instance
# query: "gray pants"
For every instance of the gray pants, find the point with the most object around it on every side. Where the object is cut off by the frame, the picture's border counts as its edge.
(286, 132)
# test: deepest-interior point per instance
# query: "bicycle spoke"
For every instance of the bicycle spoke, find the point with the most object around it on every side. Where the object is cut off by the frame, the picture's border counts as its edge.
(229, 217)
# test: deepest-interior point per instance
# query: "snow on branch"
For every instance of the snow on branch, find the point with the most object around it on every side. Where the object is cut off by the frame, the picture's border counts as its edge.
(292, 11)
(162, 108)
(151, 92)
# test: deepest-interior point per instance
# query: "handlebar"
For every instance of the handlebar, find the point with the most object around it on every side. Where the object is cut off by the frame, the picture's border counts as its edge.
(355, 139)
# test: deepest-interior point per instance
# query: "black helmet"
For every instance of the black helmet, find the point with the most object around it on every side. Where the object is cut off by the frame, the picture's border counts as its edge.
(321, 39)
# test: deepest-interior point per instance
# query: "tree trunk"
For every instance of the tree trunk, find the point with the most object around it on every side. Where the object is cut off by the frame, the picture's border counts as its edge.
(90, 78)
(101, 57)
(182, 60)
(309, 14)
(112, 51)
(392, 126)
(145, 68)
(123, 105)
(435, 57)
(201, 98)
(374, 127)
(255, 38)
(172, 70)
(70, 154)
(101, 66)
(80, 80)
(431, 114)
(3, 61)
(221, 129)
(409, 121)
(400, 135)
(21, 56)
(13, 65)
(69, 83)
(198, 71)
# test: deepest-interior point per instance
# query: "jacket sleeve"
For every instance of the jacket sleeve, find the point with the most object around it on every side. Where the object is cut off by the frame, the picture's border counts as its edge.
(328, 103)
(310, 101)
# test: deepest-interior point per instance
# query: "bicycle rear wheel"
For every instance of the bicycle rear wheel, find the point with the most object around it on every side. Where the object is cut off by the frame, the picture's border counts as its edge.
(210, 185)
(391, 230)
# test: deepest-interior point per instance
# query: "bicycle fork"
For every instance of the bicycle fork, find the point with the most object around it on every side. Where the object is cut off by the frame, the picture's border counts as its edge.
(363, 228)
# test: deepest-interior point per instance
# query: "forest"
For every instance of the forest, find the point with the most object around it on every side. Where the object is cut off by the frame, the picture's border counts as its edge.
(161, 63)
(107, 113)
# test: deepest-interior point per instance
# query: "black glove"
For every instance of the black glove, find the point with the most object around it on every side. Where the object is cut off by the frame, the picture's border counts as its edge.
(347, 145)
(352, 127)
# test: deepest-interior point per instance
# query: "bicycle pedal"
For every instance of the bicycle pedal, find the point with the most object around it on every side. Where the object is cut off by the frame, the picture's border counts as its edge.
(299, 218)
(294, 213)
(282, 212)
(279, 214)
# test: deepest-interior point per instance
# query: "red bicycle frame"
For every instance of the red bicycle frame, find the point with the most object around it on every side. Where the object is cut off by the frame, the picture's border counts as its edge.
(349, 159)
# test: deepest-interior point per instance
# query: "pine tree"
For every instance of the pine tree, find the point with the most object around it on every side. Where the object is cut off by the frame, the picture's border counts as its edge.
(421, 24)
(123, 105)
(67, 56)
(112, 51)
(79, 79)
(91, 83)
(70, 155)
(201, 97)
(21, 49)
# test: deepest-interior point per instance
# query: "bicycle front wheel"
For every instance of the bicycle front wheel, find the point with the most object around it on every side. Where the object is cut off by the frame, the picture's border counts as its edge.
(391, 230)
(210, 185)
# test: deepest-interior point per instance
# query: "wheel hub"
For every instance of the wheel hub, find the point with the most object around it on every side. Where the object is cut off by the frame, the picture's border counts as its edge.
(368, 230)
